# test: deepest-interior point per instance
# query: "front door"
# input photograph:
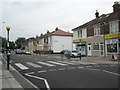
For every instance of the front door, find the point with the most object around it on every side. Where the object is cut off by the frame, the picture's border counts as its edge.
(89, 50)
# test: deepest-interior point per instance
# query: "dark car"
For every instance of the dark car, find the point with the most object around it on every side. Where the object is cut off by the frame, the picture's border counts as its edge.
(65, 51)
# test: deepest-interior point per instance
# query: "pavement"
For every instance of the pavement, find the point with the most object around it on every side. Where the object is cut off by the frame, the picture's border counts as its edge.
(99, 60)
(11, 79)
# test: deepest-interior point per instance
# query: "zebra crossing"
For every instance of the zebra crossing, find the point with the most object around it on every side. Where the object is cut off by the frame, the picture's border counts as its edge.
(42, 64)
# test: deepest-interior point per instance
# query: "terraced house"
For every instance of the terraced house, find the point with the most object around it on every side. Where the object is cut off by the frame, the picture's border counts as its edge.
(100, 36)
(54, 42)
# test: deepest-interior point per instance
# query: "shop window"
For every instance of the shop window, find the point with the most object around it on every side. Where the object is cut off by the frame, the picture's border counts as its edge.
(95, 46)
(112, 48)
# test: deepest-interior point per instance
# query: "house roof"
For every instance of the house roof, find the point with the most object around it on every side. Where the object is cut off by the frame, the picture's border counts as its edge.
(61, 32)
(102, 18)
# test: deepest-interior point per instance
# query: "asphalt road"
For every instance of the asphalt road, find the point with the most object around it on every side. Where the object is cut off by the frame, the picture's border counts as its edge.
(49, 73)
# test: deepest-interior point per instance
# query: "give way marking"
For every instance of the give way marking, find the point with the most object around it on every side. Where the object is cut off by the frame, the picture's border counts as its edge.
(46, 83)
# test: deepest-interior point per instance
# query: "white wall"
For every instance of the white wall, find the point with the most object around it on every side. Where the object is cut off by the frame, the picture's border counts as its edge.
(60, 43)
(84, 33)
(75, 33)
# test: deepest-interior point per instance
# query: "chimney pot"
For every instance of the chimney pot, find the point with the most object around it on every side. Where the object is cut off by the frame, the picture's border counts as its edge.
(116, 7)
(97, 14)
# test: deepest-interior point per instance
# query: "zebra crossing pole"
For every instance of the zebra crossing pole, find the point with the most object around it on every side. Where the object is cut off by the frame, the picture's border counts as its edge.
(8, 51)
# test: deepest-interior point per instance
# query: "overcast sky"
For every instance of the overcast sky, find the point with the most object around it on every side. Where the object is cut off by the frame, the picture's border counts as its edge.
(28, 18)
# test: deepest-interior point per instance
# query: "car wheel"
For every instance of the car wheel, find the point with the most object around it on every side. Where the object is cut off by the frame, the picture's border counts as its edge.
(73, 56)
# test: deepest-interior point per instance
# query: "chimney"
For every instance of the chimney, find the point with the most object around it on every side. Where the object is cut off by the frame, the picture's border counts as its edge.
(116, 7)
(47, 32)
(56, 29)
(97, 14)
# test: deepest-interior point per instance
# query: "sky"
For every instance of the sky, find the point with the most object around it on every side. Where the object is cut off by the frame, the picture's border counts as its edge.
(28, 18)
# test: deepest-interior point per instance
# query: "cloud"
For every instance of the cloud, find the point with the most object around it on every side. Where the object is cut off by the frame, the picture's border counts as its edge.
(29, 18)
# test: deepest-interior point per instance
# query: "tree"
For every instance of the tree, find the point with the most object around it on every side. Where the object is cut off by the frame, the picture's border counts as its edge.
(12, 45)
(19, 42)
(4, 43)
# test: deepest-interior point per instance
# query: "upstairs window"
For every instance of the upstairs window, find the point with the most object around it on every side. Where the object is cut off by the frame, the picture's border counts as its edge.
(96, 30)
(80, 33)
(114, 26)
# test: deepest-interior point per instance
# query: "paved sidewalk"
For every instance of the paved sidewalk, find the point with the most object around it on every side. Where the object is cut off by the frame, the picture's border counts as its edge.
(99, 60)
(11, 79)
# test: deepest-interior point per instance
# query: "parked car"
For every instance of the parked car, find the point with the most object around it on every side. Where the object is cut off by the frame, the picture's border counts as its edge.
(28, 52)
(74, 53)
(65, 51)
(23, 51)
(18, 51)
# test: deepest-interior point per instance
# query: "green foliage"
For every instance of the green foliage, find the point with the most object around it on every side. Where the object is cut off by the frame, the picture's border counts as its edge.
(19, 42)
(4, 43)
(12, 45)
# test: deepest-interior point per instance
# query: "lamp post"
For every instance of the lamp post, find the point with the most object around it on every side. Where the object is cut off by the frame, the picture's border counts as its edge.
(8, 52)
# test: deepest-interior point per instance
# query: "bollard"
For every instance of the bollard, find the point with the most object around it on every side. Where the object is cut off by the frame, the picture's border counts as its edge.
(68, 56)
(8, 60)
(80, 56)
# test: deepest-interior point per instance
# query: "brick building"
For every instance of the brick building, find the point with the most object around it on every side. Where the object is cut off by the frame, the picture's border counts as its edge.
(100, 36)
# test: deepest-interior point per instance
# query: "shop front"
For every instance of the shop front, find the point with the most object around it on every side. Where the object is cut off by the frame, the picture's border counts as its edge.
(113, 45)
(81, 46)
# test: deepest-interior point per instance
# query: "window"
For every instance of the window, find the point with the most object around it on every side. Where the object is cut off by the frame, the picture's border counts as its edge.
(112, 48)
(96, 30)
(78, 33)
(114, 26)
(112, 45)
(95, 46)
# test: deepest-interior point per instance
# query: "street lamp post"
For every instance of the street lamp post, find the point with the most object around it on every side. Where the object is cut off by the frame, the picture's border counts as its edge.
(8, 52)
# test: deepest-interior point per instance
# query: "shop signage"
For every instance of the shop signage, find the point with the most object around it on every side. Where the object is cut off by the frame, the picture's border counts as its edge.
(78, 40)
(112, 36)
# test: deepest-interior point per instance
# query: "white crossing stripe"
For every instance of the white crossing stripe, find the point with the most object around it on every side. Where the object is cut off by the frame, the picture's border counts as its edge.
(21, 66)
(47, 64)
(66, 62)
(56, 63)
(34, 65)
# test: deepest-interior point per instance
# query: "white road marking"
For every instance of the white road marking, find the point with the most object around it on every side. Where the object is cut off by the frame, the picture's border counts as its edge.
(71, 63)
(21, 66)
(46, 83)
(52, 70)
(111, 72)
(56, 63)
(62, 69)
(80, 67)
(47, 64)
(31, 73)
(34, 65)
(71, 68)
(42, 71)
